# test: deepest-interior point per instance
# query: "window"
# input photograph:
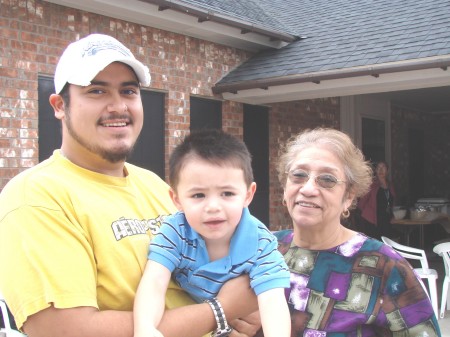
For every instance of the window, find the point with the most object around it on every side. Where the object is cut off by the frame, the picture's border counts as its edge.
(205, 114)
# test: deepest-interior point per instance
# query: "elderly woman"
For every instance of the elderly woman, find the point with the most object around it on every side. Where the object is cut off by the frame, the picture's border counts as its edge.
(343, 283)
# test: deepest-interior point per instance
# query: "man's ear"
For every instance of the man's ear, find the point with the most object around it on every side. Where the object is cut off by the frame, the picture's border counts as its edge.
(58, 105)
(175, 199)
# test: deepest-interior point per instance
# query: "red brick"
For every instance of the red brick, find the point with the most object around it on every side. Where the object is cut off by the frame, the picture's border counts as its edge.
(34, 33)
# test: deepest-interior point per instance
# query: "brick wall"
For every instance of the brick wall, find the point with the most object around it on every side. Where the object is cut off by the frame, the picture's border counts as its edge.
(34, 34)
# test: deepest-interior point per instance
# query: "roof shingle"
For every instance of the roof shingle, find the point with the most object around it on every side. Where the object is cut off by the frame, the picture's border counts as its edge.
(349, 33)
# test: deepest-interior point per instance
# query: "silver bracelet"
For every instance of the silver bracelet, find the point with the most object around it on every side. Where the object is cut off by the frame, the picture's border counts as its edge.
(223, 329)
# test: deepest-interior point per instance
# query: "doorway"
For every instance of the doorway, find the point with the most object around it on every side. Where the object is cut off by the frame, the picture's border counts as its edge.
(416, 169)
(373, 139)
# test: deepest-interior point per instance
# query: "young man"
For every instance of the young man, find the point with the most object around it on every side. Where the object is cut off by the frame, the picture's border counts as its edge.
(213, 238)
(75, 229)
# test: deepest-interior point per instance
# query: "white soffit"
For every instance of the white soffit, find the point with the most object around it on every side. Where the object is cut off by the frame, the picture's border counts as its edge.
(417, 79)
(147, 14)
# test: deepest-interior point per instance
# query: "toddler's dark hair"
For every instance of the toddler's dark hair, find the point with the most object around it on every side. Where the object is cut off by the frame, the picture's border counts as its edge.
(212, 145)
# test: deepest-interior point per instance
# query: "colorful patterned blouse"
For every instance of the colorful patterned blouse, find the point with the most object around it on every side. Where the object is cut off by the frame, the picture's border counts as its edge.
(362, 288)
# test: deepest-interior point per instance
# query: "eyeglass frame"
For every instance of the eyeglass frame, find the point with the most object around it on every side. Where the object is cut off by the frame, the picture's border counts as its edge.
(316, 180)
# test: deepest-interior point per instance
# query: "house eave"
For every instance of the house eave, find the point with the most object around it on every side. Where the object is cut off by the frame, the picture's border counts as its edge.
(221, 30)
(316, 77)
(361, 80)
(204, 15)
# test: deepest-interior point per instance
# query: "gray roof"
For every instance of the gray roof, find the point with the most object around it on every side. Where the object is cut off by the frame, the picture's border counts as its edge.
(344, 34)
(246, 10)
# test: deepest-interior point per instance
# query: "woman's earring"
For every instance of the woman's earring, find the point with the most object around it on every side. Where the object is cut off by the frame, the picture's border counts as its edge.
(283, 202)
(346, 214)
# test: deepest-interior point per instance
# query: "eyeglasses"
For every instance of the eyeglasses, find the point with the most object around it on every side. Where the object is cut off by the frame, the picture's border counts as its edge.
(324, 180)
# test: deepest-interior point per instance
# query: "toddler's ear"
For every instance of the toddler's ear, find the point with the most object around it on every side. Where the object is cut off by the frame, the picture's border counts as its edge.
(175, 199)
(250, 193)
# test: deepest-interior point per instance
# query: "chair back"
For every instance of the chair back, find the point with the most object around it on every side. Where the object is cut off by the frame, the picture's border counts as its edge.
(443, 249)
(408, 252)
(4, 312)
(7, 331)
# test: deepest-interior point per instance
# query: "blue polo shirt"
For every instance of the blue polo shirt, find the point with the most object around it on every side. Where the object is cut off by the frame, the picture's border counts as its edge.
(253, 250)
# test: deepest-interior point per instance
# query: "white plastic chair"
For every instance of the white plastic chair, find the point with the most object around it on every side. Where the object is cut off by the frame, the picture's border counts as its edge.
(443, 249)
(424, 273)
(7, 330)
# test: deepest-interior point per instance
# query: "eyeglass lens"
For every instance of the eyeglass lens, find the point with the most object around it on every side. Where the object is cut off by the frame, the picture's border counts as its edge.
(324, 180)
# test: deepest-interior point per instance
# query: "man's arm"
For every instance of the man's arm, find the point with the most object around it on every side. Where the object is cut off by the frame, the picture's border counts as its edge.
(236, 296)
(79, 321)
(247, 326)
(191, 321)
(237, 299)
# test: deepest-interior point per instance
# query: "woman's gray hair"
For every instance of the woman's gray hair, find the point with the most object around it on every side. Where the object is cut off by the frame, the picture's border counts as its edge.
(358, 172)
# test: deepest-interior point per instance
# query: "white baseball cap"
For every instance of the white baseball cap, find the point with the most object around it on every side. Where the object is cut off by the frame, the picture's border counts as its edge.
(84, 59)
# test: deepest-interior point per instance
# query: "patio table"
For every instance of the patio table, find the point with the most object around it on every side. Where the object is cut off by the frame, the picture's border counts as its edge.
(408, 225)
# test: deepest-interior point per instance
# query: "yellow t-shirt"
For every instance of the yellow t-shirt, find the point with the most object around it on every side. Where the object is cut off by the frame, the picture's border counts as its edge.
(71, 237)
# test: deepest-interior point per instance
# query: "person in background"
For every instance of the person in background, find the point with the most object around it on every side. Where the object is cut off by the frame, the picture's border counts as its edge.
(213, 238)
(376, 206)
(75, 229)
(343, 283)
